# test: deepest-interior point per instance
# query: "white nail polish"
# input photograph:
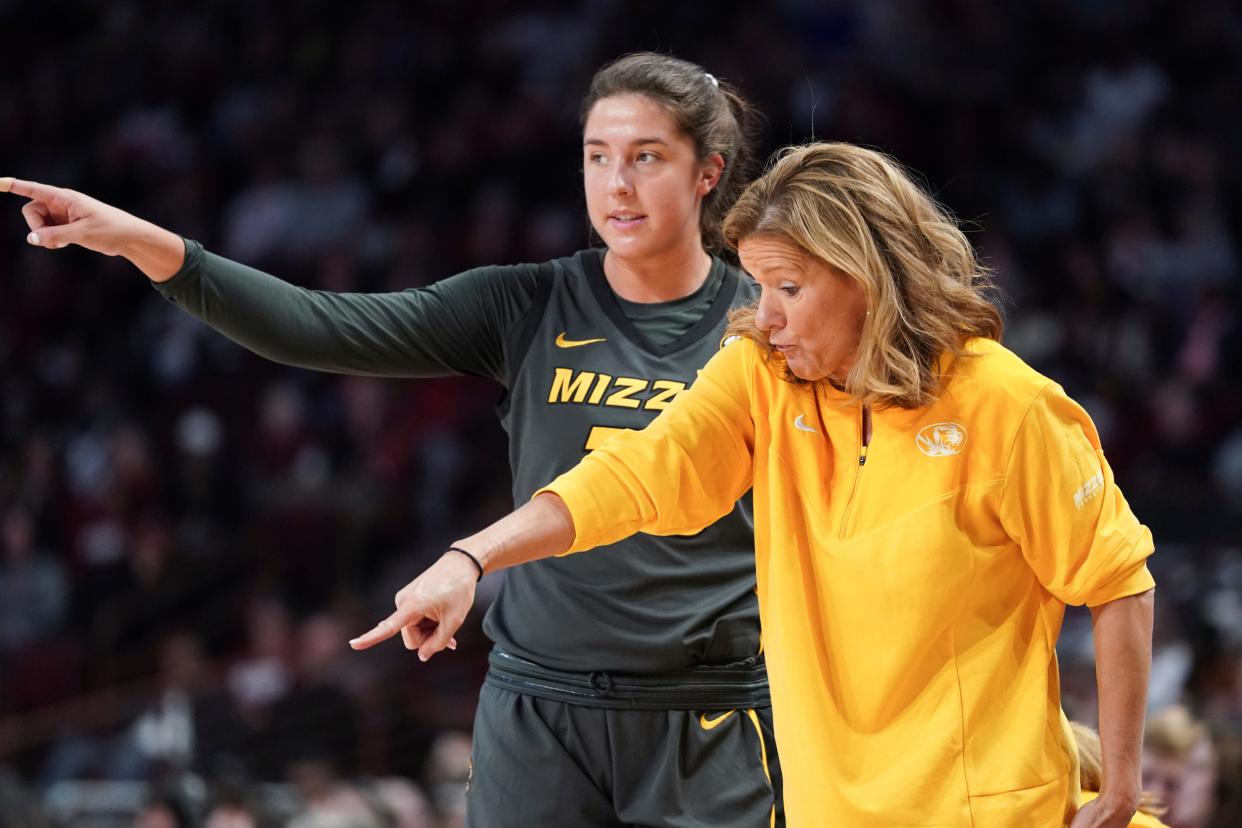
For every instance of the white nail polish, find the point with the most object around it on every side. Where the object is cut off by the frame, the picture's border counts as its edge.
(33, 238)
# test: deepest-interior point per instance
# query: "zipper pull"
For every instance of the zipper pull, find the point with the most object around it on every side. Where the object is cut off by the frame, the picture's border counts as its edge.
(866, 434)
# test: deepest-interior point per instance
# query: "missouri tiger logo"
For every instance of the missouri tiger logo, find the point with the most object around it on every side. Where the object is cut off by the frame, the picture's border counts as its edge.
(941, 439)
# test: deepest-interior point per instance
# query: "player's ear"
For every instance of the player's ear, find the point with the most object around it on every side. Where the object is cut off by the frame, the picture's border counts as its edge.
(709, 173)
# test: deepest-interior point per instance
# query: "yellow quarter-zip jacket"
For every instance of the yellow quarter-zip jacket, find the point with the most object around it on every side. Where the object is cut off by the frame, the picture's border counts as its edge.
(909, 603)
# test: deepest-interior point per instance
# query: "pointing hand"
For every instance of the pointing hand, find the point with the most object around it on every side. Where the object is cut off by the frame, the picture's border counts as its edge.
(58, 217)
(429, 609)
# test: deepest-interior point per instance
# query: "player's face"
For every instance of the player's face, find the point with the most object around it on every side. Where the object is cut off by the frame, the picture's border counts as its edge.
(644, 184)
(811, 311)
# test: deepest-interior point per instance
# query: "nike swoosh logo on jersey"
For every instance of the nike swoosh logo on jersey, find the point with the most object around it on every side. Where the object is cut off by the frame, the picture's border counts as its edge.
(562, 342)
(800, 424)
(710, 724)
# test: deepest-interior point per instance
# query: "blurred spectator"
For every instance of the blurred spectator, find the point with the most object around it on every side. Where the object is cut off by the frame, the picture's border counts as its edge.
(231, 811)
(1180, 767)
(18, 806)
(33, 589)
(190, 720)
(228, 816)
(265, 673)
(151, 594)
(315, 722)
(447, 775)
(404, 803)
(164, 811)
(184, 723)
(330, 801)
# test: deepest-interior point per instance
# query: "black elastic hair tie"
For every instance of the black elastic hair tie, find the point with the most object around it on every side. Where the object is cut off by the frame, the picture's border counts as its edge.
(472, 558)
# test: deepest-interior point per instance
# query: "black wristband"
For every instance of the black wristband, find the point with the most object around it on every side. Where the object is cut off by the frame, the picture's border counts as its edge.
(472, 558)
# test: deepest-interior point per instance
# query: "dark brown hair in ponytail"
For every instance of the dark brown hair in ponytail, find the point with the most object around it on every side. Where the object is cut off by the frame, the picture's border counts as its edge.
(710, 111)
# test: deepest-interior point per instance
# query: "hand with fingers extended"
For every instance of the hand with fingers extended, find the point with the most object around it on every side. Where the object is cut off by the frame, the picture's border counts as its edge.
(58, 217)
(429, 609)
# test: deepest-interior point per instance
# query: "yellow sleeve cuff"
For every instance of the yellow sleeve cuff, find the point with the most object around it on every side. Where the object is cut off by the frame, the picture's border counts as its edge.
(575, 501)
(595, 524)
(1138, 581)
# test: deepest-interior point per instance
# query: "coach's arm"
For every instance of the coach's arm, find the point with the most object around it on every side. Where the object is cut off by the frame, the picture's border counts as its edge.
(1123, 630)
(432, 606)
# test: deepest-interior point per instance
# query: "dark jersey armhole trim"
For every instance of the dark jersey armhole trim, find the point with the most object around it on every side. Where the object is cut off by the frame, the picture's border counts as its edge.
(520, 335)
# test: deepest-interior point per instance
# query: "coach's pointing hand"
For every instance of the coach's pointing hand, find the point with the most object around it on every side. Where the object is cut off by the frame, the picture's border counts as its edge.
(429, 609)
(433, 605)
(58, 217)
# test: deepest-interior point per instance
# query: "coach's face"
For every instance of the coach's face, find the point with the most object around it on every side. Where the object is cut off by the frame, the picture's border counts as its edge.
(644, 182)
(812, 312)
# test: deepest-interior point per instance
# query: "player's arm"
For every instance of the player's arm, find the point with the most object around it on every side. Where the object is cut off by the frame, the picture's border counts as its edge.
(678, 475)
(456, 326)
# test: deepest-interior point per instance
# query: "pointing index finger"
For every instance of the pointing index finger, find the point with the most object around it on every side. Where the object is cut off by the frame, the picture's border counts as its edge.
(29, 189)
(383, 631)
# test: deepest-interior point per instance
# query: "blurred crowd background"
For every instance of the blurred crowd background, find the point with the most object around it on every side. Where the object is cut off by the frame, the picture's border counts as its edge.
(190, 534)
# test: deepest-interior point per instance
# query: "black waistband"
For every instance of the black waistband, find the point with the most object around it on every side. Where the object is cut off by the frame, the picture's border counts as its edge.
(740, 684)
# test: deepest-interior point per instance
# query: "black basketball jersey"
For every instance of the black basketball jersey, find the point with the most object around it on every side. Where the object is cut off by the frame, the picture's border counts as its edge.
(646, 603)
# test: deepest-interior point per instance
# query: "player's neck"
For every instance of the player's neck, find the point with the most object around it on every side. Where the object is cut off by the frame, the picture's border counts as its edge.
(670, 275)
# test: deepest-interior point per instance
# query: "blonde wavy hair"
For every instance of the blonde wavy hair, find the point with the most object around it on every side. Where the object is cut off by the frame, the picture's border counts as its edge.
(1173, 732)
(859, 211)
(1091, 769)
